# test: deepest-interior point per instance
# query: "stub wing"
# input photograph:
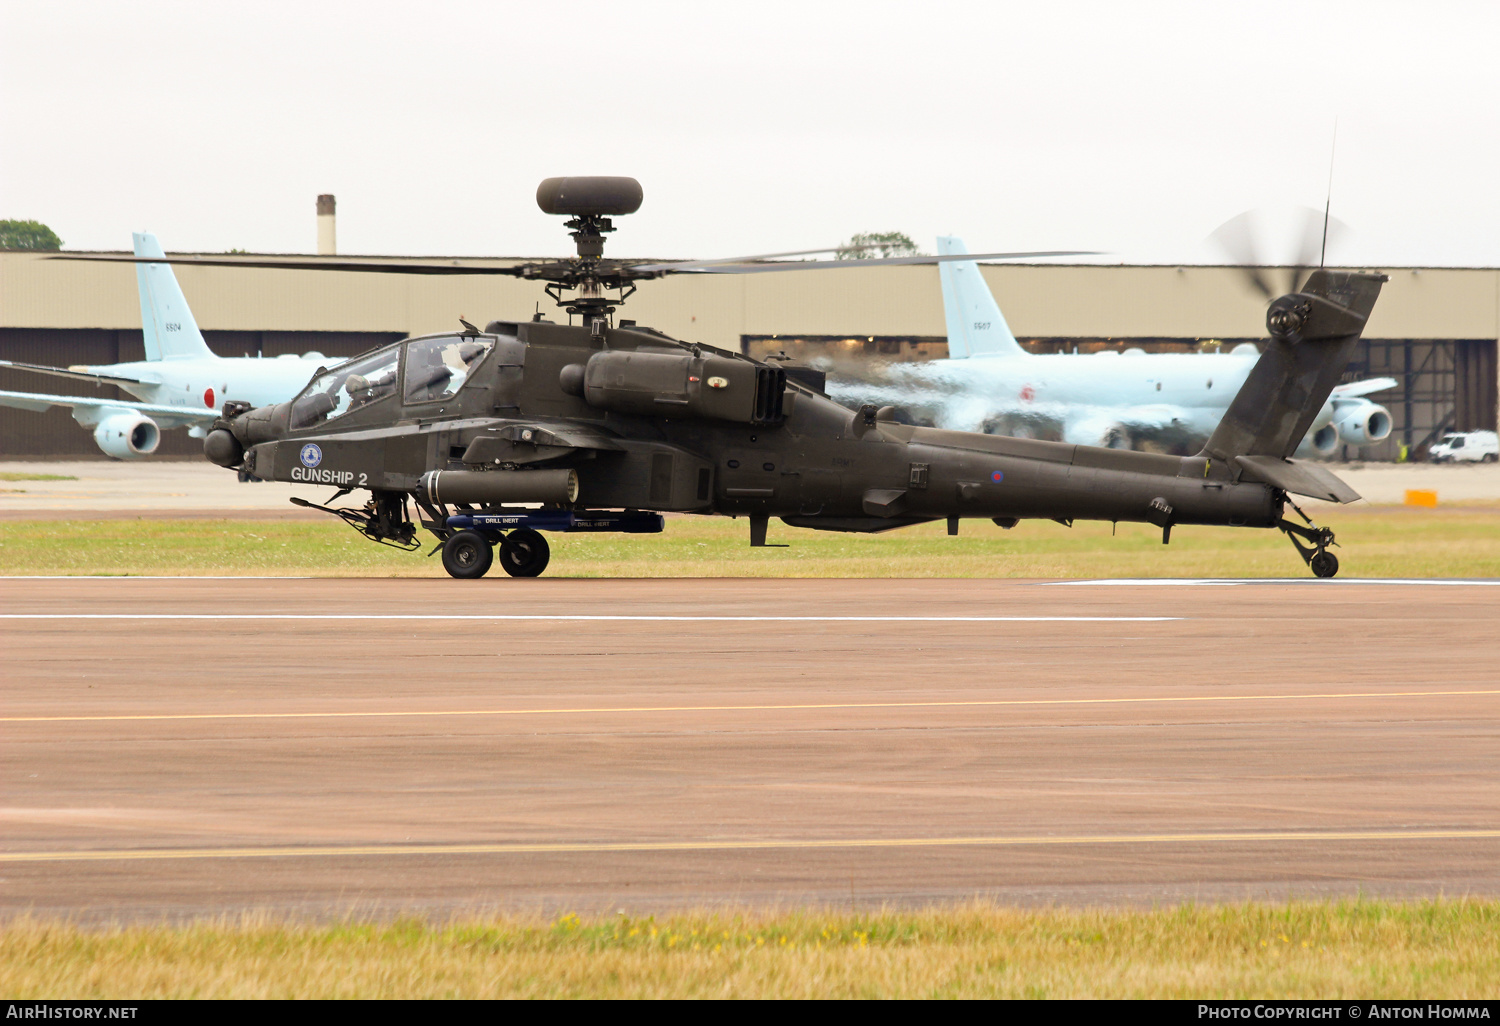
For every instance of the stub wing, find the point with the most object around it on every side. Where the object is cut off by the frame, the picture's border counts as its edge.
(90, 411)
(1298, 477)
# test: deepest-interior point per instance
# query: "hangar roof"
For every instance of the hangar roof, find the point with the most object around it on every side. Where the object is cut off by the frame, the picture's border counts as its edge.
(1040, 301)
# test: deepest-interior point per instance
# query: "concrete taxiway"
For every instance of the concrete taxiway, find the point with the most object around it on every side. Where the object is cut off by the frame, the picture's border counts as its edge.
(439, 746)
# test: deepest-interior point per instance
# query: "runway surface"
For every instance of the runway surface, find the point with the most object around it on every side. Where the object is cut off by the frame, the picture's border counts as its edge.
(192, 746)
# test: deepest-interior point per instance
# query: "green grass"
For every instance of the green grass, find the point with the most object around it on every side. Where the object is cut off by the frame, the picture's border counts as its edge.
(12, 476)
(1376, 542)
(1351, 949)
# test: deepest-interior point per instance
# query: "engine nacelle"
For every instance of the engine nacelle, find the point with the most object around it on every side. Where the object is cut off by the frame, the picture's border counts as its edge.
(1362, 423)
(1325, 440)
(127, 436)
(678, 385)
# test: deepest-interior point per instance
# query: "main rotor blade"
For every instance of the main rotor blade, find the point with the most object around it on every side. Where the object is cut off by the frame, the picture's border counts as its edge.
(370, 267)
(818, 265)
(693, 265)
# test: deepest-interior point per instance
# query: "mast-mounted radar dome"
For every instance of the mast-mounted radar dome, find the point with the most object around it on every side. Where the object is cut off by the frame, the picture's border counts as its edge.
(589, 197)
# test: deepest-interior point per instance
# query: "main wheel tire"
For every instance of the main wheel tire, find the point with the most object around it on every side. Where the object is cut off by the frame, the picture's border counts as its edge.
(524, 553)
(467, 555)
(1324, 564)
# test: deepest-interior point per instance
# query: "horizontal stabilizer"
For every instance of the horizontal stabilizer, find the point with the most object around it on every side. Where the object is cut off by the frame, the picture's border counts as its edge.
(1358, 388)
(1298, 477)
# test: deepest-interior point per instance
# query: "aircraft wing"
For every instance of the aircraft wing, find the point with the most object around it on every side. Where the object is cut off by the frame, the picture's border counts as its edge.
(76, 373)
(1356, 388)
(87, 411)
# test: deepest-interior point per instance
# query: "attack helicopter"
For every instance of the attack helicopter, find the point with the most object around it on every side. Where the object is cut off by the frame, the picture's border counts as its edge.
(524, 427)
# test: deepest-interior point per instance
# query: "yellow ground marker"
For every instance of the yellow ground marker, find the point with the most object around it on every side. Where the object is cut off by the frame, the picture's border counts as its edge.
(1421, 497)
(352, 850)
(788, 707)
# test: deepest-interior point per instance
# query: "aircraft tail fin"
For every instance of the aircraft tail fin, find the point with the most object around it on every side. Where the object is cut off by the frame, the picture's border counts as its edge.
(169, 328)
(975, 325)
(1313, 335)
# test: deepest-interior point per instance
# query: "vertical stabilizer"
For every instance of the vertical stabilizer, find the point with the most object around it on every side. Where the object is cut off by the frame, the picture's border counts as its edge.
(975, 325)
(168, 324)
(1313, 334)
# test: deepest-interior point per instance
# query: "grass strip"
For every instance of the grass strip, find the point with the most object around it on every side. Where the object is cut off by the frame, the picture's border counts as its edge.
(10, 475)
(1376, 542)
(1324, 950)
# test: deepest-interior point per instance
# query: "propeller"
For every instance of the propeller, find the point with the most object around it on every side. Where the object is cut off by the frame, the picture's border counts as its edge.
(1302, 232)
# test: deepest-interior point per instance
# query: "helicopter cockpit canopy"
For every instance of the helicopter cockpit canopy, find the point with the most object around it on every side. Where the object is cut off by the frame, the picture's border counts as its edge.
(347, 387)
(436, 368)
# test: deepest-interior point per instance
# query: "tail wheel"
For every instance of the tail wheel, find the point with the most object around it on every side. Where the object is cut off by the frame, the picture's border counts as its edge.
(524, 553)
(467, 555)
(1324, 564)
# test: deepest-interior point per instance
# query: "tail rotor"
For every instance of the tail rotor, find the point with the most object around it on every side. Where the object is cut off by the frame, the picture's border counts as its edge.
(1298, 243)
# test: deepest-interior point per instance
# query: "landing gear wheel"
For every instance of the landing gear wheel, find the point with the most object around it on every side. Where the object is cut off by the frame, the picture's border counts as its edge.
(467, 555)
(1324, 564)
(524, 553)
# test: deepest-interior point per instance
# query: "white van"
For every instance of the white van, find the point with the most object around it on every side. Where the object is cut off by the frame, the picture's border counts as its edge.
(1467, 446)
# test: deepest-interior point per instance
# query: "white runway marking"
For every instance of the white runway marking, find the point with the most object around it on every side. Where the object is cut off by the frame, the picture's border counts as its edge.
(653, 617)
(1167, 582)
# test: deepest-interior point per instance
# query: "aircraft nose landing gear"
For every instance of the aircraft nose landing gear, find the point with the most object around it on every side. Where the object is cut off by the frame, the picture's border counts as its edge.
(1316, 555)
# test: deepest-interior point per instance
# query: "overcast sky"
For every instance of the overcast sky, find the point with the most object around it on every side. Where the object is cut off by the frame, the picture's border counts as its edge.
(1135, 127)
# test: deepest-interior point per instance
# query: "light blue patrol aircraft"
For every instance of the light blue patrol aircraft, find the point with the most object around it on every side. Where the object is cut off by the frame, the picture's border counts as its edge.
(989, 383)
(180, 383)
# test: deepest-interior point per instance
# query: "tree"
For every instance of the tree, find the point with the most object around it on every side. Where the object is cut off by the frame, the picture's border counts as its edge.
(877, 244)
(28, 235)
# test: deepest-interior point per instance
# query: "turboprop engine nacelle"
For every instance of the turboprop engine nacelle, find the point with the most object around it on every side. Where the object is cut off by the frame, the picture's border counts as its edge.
(1362, 423)
(127, 436)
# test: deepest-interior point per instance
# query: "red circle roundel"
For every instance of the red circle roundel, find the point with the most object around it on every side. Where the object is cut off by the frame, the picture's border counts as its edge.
(998, 476)
(208, 398)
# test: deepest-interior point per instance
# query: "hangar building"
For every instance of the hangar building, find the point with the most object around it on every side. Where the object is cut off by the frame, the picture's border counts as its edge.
(1434, 330)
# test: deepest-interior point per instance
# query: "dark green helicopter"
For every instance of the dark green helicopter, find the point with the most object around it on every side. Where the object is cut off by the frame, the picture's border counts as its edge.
(530, 426)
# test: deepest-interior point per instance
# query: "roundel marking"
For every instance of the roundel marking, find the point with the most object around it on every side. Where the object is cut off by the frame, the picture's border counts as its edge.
(208, 398)
(998, 476)
(311, 455)
(1028, 394)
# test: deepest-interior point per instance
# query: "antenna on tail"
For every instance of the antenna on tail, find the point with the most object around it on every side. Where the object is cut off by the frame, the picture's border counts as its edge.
(1328, 203)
